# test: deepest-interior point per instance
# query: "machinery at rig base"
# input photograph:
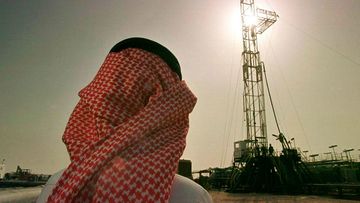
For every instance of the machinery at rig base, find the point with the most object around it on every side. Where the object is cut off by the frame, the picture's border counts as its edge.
(260, 170)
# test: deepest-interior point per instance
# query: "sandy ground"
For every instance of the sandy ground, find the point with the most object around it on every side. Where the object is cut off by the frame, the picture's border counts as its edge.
(26, 195)
(19, 195)
(219, 197)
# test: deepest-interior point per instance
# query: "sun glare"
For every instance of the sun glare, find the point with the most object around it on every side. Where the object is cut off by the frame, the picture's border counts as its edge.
(250, 20)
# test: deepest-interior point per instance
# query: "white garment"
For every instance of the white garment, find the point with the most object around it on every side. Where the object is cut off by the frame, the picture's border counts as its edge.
(183, 190)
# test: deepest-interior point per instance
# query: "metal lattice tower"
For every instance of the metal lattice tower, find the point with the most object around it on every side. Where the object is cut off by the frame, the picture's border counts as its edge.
(256, 167)
(254, 21)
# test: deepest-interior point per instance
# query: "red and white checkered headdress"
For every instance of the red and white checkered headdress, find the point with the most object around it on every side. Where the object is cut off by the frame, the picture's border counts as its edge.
(127, 133)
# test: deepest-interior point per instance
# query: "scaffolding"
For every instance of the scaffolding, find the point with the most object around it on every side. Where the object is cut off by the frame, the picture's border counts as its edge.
(254, 21)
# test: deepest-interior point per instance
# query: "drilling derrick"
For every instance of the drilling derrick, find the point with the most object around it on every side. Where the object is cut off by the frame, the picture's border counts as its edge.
(254, 21)
(256, 167)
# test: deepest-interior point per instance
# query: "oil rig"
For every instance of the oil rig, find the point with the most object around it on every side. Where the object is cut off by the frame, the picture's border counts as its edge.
(256, 167)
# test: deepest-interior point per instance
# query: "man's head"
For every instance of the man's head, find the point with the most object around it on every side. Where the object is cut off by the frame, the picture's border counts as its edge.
(153, 47)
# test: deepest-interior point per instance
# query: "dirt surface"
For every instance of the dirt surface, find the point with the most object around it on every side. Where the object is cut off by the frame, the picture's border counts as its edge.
(19, 195)
(220, 197)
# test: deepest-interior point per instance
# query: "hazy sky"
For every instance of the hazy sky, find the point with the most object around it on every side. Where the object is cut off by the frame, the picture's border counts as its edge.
(49, 50)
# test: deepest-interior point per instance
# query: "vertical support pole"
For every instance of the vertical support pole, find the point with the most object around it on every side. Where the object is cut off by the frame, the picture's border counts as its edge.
(254, 101)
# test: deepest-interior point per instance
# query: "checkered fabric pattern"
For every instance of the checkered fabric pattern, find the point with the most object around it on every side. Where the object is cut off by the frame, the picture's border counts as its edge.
(127, 133)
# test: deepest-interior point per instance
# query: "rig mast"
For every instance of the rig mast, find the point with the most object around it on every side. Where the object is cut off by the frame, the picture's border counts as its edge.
(256, 167)
(254, 21)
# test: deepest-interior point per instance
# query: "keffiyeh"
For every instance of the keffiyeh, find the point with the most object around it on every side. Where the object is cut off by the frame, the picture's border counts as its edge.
(127, 133)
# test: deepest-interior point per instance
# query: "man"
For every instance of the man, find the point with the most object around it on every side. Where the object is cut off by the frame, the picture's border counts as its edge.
(127, 133)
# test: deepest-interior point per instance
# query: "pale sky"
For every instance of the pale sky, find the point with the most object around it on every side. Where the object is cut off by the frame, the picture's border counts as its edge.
(51, 49)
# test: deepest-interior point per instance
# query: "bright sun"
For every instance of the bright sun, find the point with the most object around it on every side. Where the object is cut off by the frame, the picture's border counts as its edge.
(250, 20)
